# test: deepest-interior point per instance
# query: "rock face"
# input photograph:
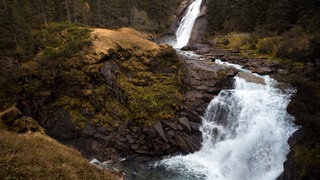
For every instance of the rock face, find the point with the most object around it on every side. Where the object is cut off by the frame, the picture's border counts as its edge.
(204, 80)
(200, 26)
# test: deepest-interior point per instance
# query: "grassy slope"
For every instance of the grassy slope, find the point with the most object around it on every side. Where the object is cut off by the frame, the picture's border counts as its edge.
(36, 156)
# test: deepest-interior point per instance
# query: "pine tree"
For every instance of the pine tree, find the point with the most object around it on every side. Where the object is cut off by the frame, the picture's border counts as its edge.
(15, 29)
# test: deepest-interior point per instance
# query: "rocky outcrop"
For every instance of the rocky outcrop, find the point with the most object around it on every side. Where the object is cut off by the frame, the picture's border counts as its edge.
(13, 120)
(251, 78)
(204, 80)
(262, 67)
(200, 26)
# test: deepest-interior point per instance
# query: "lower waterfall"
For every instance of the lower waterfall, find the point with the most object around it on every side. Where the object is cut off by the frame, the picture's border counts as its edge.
(245, 132)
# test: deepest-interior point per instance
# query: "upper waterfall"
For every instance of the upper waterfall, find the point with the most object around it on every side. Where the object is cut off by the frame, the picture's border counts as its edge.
(184, 30)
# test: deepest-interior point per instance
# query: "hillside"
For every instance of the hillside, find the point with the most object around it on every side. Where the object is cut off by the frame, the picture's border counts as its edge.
(28, 153)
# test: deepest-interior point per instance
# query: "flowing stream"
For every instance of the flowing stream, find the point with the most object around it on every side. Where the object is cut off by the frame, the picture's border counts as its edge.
(184, 30)
(245, 132)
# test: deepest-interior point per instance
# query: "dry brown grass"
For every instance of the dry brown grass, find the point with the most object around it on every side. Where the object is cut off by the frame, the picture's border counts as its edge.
(127, 38)
(36, 156)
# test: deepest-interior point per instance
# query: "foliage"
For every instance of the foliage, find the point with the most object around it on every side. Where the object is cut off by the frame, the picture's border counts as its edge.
(61, 40)
(295, 24)
(15, 30)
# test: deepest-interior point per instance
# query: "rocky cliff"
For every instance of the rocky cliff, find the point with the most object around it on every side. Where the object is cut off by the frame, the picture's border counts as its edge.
(122, 95)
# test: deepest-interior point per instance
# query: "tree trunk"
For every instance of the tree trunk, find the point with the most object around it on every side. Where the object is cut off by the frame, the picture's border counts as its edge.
(68, 11)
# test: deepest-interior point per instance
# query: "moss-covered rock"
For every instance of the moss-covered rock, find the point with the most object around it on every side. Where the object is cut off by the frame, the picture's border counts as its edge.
(13, 120)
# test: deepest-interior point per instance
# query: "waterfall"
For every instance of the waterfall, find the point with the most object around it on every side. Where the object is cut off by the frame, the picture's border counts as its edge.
(184, 30)
(245, 133)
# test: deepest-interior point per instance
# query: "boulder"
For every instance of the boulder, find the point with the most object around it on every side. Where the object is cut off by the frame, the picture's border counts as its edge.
(262, 70)
(189, 48)
(251, 78)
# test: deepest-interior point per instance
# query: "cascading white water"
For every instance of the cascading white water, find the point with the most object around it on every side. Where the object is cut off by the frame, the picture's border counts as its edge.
(245, 133)
(184, 30)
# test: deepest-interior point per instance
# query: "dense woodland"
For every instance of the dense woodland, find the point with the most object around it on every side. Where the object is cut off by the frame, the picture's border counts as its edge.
(293, 21)
(19, 18)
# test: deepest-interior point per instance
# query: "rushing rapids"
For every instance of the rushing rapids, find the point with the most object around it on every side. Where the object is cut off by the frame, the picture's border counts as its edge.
(184, 30)
(245, 133)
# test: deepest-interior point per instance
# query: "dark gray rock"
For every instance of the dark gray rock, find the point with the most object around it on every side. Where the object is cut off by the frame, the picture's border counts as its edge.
(172, 125)
(158, 127)
(185, 123)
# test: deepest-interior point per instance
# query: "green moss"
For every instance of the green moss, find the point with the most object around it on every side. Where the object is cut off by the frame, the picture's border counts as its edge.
(222, 74)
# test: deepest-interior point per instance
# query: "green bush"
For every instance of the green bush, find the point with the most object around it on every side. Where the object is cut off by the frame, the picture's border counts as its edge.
(266, 45)
(295, 46)
(61, 40)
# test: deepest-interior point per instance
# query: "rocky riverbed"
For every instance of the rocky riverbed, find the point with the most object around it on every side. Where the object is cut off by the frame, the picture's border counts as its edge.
(302, 160)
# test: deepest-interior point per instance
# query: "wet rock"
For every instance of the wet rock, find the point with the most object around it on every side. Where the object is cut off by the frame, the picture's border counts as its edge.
(172, 125)
(158, 127)
(189, 48)
(251, 78)
(232, 71)
(187, 143)
(262, 70)
(185, 123)
(200, 25)
(195, 126)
